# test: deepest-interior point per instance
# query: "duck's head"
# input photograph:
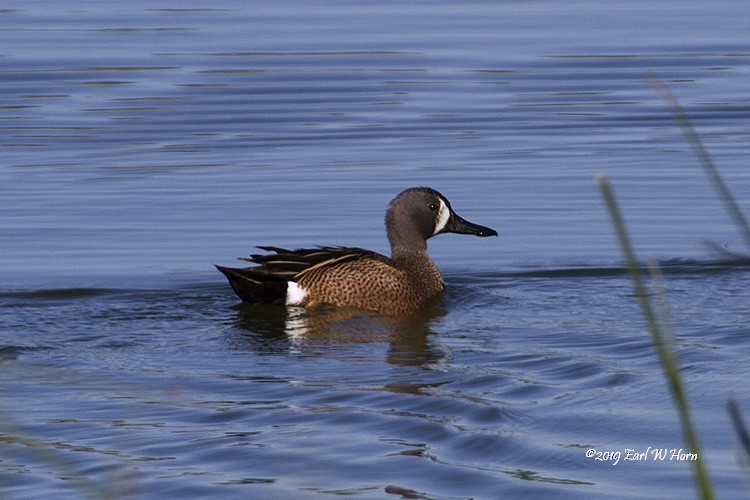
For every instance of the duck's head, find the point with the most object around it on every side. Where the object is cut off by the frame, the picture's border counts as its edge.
(417, 214)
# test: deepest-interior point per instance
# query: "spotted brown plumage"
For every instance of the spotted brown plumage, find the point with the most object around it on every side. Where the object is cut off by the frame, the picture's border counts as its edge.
(394, 285)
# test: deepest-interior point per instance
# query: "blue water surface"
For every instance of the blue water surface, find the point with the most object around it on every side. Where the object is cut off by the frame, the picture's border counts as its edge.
(142, 143)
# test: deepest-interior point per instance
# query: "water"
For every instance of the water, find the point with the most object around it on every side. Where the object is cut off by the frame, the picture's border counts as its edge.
(142, 143)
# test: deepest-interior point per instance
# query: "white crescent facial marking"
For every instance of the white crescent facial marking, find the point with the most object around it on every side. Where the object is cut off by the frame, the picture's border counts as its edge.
(295, 294)
(442, 217)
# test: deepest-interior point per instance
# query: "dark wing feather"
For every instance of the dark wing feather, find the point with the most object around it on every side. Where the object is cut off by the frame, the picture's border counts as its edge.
(290, 263)
(266, 282)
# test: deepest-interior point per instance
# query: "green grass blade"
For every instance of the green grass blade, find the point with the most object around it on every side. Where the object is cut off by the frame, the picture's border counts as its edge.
(744, 439)
(660, 339)
(704, 158)
(11, 434)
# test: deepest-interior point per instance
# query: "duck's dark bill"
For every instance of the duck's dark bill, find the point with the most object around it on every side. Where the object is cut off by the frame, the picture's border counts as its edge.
(457, 224)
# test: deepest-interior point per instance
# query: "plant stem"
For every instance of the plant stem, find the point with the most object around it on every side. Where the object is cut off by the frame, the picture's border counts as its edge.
(661, 341)
(704, 158)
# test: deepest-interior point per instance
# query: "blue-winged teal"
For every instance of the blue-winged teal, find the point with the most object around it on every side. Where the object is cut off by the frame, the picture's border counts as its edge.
(397, 285)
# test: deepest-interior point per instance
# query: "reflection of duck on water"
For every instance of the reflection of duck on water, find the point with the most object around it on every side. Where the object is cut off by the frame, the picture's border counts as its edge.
(296, 329)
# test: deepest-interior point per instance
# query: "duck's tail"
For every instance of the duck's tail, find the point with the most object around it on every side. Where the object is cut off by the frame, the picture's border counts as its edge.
(256, 286)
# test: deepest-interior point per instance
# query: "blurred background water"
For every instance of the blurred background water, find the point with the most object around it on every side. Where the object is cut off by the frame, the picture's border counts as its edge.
(143, 142)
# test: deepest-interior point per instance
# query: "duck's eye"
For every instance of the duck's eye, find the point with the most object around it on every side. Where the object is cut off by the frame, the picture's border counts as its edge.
(433, 206)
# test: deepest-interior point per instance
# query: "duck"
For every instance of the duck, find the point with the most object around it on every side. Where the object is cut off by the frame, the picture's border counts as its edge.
(344, 276)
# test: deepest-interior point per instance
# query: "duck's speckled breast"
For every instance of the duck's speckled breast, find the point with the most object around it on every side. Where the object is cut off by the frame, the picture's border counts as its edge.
(385, 286)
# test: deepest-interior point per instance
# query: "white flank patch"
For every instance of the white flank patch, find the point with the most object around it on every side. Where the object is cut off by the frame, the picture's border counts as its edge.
(442, 217)
(295, 294)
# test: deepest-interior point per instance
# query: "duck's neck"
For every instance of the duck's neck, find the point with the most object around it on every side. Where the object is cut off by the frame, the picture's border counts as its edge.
(409, 252)
(408, 248)
(418, 265)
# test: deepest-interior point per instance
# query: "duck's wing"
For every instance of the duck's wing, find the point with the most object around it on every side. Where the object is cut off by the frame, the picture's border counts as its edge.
(268, 281)
(288, 264)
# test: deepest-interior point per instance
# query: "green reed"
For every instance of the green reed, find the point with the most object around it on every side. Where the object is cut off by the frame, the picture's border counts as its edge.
(658, 328)
(743, 436)
(46, 453)
(723, 191)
